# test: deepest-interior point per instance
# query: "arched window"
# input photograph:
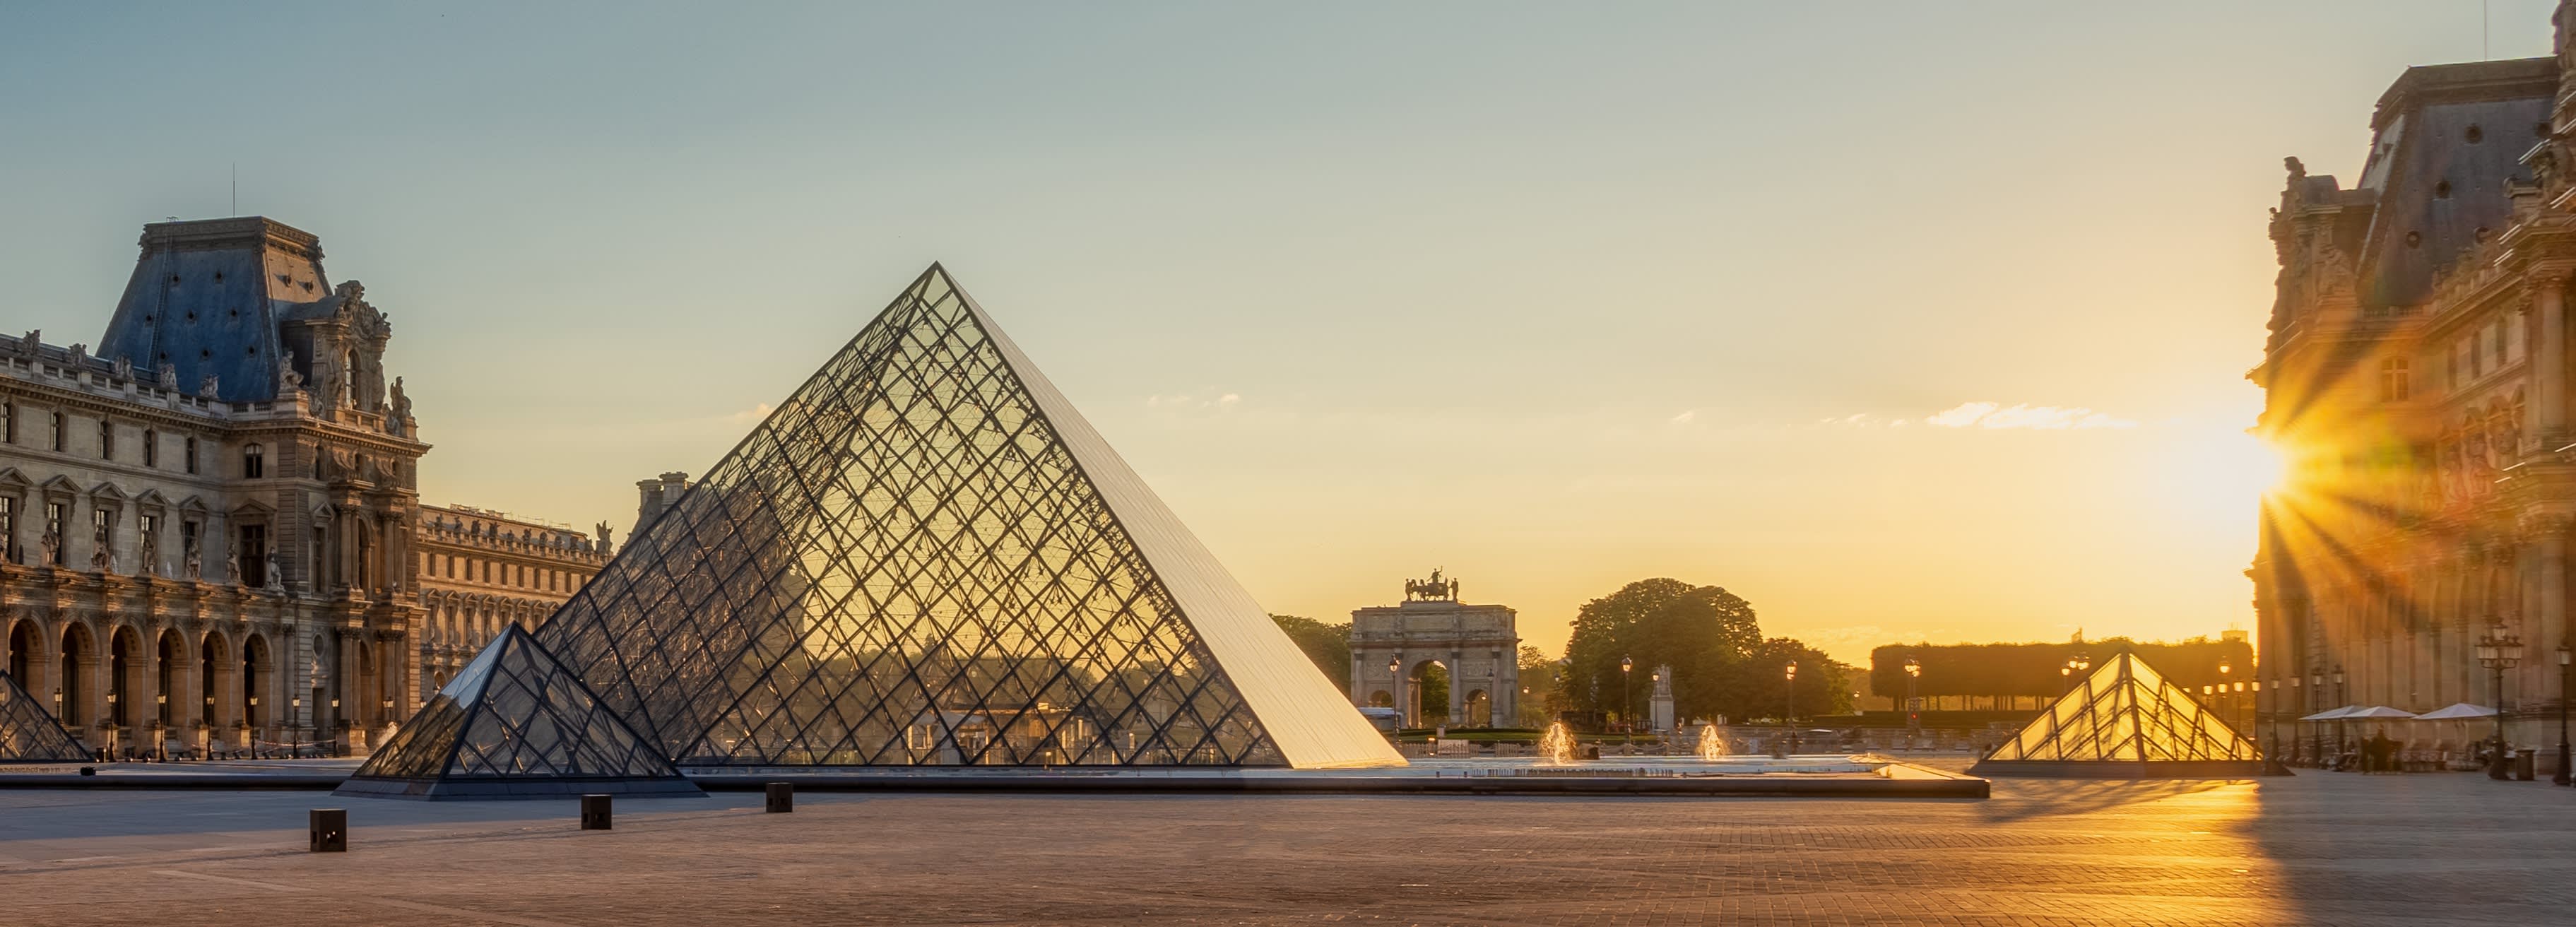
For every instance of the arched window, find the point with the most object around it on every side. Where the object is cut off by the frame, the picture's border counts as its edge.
(254, 461)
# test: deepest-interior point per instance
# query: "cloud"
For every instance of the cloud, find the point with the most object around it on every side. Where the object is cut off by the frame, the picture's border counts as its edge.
(1995, 415)
(756, 413)
(1194, 401)
(1684, 418)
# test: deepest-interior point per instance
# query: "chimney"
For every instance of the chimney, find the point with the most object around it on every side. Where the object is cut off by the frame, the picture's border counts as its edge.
(656, 496)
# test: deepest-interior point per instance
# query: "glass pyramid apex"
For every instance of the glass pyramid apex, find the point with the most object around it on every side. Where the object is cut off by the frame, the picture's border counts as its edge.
(515, 723)
(2125, 719)
(29, 733)
(925, 556)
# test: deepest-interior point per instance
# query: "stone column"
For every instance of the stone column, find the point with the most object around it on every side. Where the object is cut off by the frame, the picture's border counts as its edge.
(347, 686)
(2542, 636)
(2549, 360)
(1457, 688)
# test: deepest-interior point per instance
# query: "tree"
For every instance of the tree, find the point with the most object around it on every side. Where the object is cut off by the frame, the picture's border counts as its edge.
(1700, 631)
(1329, 645)
(1538, 676)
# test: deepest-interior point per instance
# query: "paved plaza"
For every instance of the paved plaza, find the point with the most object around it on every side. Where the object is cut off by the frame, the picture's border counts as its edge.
(2321, 848)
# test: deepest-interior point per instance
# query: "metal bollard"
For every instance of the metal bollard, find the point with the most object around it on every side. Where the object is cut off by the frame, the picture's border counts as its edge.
(782, 797)
(330, 829)
(594, 812)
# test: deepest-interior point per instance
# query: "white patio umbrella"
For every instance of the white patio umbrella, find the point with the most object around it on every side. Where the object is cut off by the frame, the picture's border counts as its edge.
(2457, 711)
(2377, 713)
(2331, 713)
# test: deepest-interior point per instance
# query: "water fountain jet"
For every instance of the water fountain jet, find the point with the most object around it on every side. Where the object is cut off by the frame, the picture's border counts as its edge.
(1712, 742)
(1556, 747)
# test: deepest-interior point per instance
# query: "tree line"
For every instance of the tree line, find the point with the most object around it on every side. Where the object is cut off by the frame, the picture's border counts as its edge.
(1722, 665)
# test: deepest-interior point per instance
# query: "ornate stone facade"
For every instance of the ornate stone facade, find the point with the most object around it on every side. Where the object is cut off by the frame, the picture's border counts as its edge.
(481, 570)
(208, 529)
(1479, 645)
(2416, 378)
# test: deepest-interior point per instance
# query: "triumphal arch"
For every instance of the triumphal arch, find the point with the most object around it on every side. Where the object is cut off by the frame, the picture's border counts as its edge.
(1479, 646)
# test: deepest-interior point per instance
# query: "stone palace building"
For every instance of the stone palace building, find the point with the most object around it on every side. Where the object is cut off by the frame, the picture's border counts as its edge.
(2416, 377)
(210, 526)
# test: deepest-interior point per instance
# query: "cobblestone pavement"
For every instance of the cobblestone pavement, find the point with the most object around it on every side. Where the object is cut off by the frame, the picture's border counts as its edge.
(2320, 848)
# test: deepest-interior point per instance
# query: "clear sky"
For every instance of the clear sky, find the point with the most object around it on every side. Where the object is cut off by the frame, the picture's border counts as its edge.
(1554, 296)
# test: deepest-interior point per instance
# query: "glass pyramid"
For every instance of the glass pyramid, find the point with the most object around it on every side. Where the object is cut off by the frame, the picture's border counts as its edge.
(2125, 720)
(29, 733)
(515, 724)
(926, 557)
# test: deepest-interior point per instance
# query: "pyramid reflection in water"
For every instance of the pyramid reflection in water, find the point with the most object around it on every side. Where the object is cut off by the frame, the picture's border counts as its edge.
(2125, 721)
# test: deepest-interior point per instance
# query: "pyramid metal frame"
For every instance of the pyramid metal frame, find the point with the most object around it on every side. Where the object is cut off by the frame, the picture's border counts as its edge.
(2126, 720)
(926, 557)
(515, 723)
(31, 734)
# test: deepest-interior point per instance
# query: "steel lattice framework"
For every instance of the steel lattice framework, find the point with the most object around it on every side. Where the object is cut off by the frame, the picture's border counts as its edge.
(925, 557)
(515, 723)
(2127, 714)
(29, 733)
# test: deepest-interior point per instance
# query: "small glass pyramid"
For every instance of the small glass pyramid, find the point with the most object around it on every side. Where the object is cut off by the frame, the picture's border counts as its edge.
(29, 733)
(926, 557)
(515, 724)
(2125, 721)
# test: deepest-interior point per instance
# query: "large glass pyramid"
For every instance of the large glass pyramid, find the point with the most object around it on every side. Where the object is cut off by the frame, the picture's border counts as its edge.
(2125, 721)
(926, 557)
(515, 724)
(29, 733)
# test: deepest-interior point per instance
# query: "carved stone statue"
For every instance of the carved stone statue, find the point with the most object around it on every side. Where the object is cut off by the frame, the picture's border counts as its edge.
(170, 377)
(98, 558)
(209, 387)
(402, 403)
(196, 566)
(1429, 590)
(32, 343)
(52, 547)
(232, 564)
(276, 577)
(79, 361)
(124, 369)
(288, 381)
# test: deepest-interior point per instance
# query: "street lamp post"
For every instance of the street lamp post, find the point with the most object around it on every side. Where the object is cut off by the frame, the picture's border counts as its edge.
(2562, 777)
(2499, 650)
(2226, 704)
(1913, 708)
(1627, 719)
(1789, 708)
(2340, 697)
(1395, 688)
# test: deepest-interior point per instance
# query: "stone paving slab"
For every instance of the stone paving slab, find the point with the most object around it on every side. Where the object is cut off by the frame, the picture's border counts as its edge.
(2320, 848)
